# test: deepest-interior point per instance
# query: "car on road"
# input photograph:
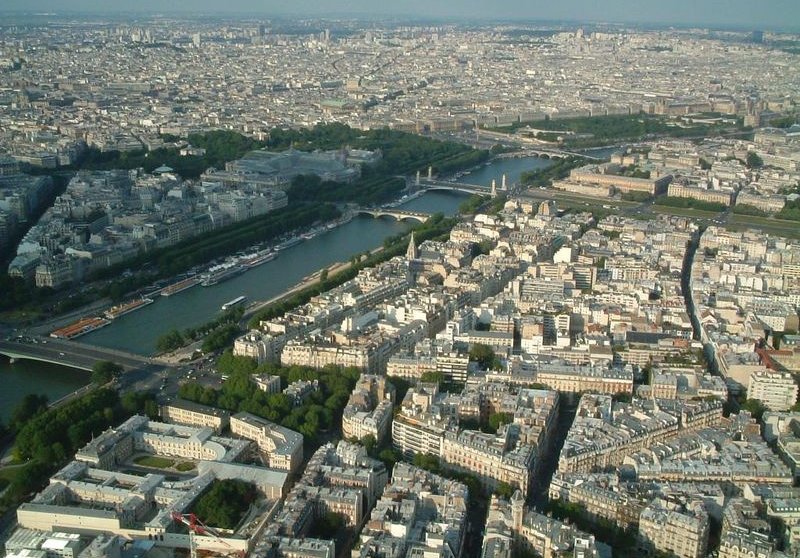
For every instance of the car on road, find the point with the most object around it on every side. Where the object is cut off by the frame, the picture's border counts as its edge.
(60, 354)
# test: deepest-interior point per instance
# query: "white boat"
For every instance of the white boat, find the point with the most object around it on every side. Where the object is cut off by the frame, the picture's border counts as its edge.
(223, 273)
(254, 260)
(235, 302)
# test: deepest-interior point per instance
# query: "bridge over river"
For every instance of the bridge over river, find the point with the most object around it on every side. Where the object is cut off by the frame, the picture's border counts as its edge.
(545, 153)
(398, 214)
(74, 355)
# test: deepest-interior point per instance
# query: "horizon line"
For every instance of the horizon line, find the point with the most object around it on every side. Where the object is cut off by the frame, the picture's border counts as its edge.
(354, 16)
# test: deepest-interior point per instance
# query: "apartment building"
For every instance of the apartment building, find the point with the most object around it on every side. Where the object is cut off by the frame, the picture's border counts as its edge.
(369, 409)
(486, 457)
(319, 355)
(283, 448)
(777, 390)
(676, 190)
(678, 530)
(189, 413)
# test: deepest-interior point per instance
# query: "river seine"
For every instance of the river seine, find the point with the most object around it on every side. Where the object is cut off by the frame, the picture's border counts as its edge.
(138, 331)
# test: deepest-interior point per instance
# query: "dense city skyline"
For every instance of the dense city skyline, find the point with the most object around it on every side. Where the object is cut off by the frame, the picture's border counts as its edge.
(376, 285)
(781, 14)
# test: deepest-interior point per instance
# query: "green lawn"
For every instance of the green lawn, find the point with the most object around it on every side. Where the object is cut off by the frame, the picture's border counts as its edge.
(185, 466)
(737, 218)
(777, 227)
(685, 212)
(154, 461)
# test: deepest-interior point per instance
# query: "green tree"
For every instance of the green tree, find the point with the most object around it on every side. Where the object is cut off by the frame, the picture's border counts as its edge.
(170, 341)
(472, 204)
(428, 462)
(151, 409)
(225, 502)
(390, 456)
(432, 377)
(230, 364)
(41, 433)
(104, 371)
(504, 490)
(30, 406)
(220, 337)
(496, 420)
(746, 209)
(753, 160)
(690, 203)
(137, 402)
(369, 442)
(755, 407)
(239, 393)
(484, 355)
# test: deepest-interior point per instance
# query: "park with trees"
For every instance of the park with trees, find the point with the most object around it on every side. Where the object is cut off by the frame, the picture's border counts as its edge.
(320, 412)
(591, 131)
(689, 203)
(47, 437)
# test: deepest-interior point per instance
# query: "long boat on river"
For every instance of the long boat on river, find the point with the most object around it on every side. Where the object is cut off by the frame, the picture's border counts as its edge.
(122, 309)
(180, 286)
(81, 327)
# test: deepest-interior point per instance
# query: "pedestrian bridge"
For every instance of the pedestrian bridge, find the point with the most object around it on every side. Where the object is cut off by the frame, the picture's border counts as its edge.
(396, 214)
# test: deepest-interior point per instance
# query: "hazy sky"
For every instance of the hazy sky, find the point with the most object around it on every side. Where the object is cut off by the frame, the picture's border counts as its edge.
(744, 13)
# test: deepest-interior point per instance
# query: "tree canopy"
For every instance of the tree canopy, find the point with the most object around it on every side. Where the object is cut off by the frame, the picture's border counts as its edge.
(104, 371)
(754, 161)
(496, 420)
(485, 356)
(755, 407)
(53, 435)
(170, 341)
(239, 393)
(225, 502)
(30, 406)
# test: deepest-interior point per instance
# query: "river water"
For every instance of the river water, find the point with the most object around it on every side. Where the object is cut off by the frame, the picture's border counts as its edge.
(138, 331)
(512, 168)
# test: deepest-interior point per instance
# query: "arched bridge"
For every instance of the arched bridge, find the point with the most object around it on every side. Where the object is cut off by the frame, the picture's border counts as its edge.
(398, 214)
(547, 154)
(431, 184)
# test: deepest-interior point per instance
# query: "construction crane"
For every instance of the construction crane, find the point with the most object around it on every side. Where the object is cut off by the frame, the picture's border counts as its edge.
(197, 527)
